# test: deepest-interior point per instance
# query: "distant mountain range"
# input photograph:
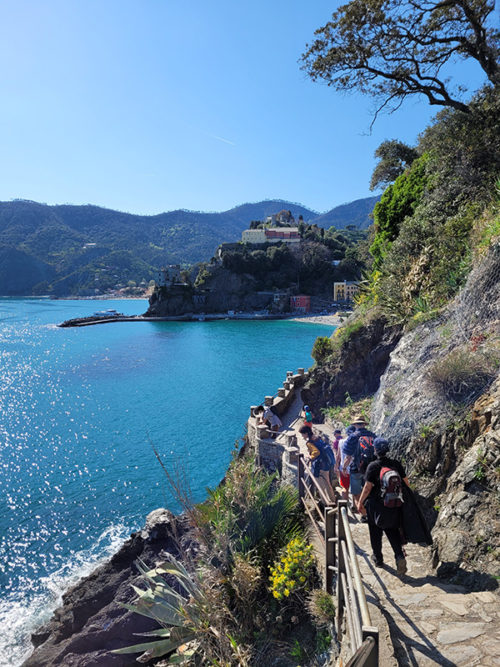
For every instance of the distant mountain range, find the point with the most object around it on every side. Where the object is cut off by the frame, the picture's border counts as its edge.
(67, 249)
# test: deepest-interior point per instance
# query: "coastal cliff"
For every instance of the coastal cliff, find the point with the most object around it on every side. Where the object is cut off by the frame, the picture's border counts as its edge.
(92, 621)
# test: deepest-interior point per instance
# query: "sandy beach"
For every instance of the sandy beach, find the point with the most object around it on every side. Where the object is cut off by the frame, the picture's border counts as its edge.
(331, 320)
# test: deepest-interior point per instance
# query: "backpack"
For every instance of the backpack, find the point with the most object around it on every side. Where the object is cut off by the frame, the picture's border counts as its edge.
(366, 452)
(326, 451)
(391, 487)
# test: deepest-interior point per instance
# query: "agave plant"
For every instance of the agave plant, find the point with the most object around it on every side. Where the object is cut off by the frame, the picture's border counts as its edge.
(166, 605)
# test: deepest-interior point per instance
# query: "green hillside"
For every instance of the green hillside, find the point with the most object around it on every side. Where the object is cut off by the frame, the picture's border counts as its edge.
(83, 249)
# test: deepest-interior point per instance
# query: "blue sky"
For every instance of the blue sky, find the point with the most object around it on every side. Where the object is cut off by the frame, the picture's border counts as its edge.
(152, 105)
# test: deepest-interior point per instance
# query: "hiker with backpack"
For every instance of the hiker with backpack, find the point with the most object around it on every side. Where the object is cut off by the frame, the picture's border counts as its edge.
(322, 460)
(382, 501)
(359, 453)
(344, 477)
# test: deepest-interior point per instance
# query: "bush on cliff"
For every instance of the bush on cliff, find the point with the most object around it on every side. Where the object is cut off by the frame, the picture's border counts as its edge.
(463, 374)
(322, 349)
(220, 609)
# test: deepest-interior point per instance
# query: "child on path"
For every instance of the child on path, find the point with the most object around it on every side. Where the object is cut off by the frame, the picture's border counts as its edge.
(307, 415)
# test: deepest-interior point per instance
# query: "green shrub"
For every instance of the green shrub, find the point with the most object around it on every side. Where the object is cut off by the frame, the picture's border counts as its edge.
(345, 413)
(342, 334)
(322, 349)
(249, 511)
(321, 607)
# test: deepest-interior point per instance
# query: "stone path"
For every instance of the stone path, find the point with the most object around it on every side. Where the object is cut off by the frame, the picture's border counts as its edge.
(431, 622)
(423, 620)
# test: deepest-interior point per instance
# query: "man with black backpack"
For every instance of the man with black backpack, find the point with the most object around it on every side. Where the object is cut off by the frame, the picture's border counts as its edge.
(359, 453)
(382, 500)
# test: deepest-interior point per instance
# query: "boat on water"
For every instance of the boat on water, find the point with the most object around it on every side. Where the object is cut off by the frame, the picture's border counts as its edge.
(110, 312)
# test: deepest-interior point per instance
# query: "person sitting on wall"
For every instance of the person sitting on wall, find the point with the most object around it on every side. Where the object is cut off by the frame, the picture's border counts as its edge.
(266, 416)
(319, 460)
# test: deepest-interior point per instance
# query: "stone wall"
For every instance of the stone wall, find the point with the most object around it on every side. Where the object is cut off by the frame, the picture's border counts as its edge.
(278, 454)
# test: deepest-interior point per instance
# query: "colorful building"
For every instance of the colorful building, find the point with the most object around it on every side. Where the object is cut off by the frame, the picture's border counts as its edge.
(300, 303)
(345, 291)
(271, 235)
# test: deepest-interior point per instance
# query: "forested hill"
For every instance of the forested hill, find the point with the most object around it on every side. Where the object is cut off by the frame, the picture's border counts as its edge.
(72, 248)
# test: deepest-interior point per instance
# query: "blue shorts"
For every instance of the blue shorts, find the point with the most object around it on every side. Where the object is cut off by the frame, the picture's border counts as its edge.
(356, 485)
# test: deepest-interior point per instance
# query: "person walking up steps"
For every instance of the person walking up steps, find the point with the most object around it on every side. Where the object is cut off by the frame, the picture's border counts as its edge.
(382, 500)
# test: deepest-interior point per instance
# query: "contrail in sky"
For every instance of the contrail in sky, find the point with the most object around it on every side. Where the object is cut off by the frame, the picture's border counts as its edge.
(226, 141)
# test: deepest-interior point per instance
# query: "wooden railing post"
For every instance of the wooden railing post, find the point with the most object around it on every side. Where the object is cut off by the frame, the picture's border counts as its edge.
(341, 566)
(329, 548)
(301, 477)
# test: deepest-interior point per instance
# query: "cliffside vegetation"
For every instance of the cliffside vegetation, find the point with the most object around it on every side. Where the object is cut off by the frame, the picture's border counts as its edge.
(420, 355)
(246, 593)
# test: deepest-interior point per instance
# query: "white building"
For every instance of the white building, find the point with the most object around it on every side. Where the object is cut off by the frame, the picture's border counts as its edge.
(272, 235)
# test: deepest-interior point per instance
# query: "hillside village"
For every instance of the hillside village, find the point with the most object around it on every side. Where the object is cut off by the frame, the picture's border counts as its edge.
(250, 275)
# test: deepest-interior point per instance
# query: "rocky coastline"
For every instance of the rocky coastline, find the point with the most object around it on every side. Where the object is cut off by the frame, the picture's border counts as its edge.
(92, 621)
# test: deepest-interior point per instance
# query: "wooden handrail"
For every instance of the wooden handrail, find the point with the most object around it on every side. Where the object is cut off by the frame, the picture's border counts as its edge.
(322, 494)
(366, 655)
(341, 570)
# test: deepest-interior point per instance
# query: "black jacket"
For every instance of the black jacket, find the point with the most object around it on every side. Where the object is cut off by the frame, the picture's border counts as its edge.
(414, 525)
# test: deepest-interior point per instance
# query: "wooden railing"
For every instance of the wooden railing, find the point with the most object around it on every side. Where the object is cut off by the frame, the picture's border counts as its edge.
(331, 523)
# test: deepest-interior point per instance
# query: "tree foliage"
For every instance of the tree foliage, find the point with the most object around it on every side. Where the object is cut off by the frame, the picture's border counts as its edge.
(311, 267)
(392, 49)
(394, 157)
(428, 222)
(398, 201)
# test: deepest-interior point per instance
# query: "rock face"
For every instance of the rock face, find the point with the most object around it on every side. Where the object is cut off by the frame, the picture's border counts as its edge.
(451, 444)
(223, 290)
(357, 368)
(91, 621)
(467, 530)
(437, 400)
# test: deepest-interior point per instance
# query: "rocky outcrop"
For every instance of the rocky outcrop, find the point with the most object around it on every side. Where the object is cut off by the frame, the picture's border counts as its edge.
(356, 367)
(220, 291)
(467, 529)
(92, 621)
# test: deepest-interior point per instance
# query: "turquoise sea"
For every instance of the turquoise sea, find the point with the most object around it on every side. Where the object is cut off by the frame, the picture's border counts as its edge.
(79, 412)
